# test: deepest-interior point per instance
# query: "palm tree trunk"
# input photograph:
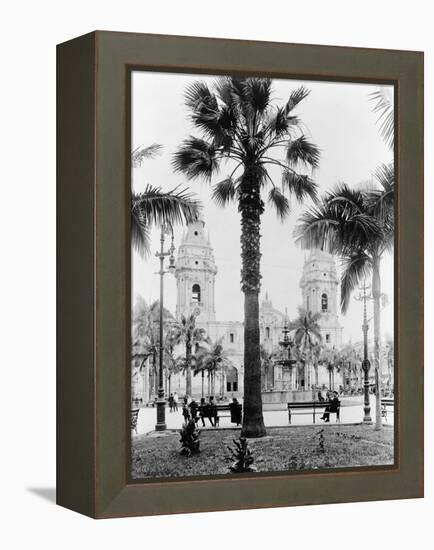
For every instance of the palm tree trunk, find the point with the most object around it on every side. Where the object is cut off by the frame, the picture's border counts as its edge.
(376, 294)
(203, 380)
(188, 368)
(251, 208)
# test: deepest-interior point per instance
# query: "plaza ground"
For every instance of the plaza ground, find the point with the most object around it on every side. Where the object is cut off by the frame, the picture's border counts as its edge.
(351, 413)
(294, 448)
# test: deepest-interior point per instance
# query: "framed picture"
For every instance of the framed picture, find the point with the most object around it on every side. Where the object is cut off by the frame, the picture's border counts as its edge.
(240, 274)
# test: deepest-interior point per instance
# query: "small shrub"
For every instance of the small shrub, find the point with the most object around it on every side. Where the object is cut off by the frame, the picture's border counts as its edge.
(242, 456)
(190, 444)
(321, 439)
(296, 463)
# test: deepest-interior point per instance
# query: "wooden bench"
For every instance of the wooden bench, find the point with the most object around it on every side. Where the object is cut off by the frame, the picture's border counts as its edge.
(134, 418)
(218, 409)
(386, 403)
(315, 406)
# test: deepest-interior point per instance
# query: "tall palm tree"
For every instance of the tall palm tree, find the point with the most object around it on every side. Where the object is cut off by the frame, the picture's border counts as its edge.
(185, 331)
(306, 329)
(357, 225)
(154, 207)
(316, 353)
(146, 334)
(240, 126)
(307, 333)
(212, 359)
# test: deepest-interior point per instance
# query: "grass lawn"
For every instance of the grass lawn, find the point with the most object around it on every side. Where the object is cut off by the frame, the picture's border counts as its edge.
(283, 449)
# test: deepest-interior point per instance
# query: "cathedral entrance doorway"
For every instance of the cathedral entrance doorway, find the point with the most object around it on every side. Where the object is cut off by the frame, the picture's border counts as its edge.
(232, 380)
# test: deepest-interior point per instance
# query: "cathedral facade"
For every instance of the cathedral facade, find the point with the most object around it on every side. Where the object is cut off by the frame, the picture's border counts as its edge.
(196, 276)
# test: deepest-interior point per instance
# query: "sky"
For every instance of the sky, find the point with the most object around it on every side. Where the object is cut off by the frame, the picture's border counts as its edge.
(337, 117)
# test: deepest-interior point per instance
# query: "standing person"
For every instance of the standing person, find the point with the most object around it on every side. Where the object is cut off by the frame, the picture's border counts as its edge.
(213, 418)
(175, 401)
(171, 402)
(235, 409)
(202, 410)
(320, 396)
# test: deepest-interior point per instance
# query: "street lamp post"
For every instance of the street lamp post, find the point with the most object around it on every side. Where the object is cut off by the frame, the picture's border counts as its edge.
(366, 365)
(161, 401)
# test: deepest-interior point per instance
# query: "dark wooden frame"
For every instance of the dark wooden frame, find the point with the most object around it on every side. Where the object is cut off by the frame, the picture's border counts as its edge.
(93, 273)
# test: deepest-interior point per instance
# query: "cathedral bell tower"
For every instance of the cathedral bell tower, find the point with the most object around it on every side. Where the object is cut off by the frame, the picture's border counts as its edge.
(319, 285)
(195, 274)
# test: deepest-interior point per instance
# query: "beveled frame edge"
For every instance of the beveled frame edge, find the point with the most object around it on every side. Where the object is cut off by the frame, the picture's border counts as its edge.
(113, 497)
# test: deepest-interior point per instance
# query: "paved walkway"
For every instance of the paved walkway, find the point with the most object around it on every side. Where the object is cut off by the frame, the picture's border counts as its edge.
(351, 412)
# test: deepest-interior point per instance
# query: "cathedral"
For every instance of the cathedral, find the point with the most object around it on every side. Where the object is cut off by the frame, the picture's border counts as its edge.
(196, 276)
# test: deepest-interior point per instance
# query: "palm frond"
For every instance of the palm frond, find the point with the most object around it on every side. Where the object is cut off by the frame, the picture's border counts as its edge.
(155, 207)
(281, 204)
(347, 201)
(301, 150)
(196, 158)
(341, 223)
(381, 201)
(257, 91)
(171, 207)
(384, 107)
(198, 96)
(279, 123)
(224, 192)
(316, 228)
(139, 154)
(140, 234)
(295, 98)
(356, 268)
(301, 186)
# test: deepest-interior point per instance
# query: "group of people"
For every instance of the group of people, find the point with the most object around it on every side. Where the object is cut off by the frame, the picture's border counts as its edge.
(173, 402)
(204, 410)
(194, 410)
(201, 411)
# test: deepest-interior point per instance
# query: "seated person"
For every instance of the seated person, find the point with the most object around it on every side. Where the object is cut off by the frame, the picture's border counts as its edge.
(193, 410)
(332, 408)
(213, 418)
(204, 411)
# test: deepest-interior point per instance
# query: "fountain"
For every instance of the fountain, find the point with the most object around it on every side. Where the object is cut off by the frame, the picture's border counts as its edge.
(284, 389)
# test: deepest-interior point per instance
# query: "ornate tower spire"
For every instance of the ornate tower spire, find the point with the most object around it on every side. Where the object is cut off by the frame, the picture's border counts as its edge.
(319, 284)
(195, 274)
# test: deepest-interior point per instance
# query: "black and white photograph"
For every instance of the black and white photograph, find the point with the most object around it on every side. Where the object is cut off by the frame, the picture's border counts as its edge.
(262, 275)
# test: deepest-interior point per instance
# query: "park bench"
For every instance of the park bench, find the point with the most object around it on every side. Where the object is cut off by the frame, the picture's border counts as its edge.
(386, 403)
(220, 408)
(314, 406)
(134, 417)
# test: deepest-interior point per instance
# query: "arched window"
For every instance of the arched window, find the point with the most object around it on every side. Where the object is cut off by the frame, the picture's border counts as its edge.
(324, 302)
(231, 338)
(195, 293)
(267, 332)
